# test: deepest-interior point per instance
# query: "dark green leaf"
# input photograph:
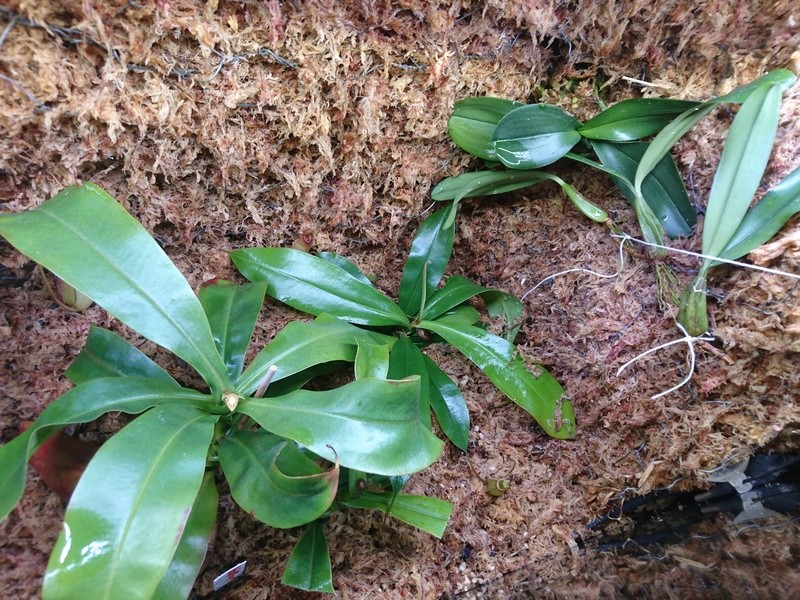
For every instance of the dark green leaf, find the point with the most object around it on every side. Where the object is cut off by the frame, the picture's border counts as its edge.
(764, 220)
(465, 313)
(315, 286)
(82, 404)
(232, 311)
(87, 239)
(663, 189)
(541, 395)
(455, 291)
(406, 360)
(309, 567)
(428, 514)
(473, 122)
(634, 119)
(185, 566)
(449, 405)
(108, 355)
(260, 487)
(427, 261)
(125, 519)
(372, 424)
(300, 345)
(346, 265)
(534, 135)
(741, 166)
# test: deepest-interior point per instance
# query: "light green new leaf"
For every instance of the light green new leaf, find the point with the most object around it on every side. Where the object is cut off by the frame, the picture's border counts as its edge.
(82, 404)
(125, 518)
(315, 286)
(744, 159)
(232, 312)
(300, 345)
(372, 360)
(662, 189)
(188, 559)
(428, 514)
(669, 135)
(427, 261)
(105, 354)
(448, 405)
(309, 566)
(372, 424)
(473, 122)
(764, 220)
(634, 119)
(249, 460)
(406, 360)
(87, 239)
(541, 395)
(345, 264)
(534, 135)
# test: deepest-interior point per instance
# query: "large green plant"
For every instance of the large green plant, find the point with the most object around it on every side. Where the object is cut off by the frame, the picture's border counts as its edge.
(423, 314)
(139, 521)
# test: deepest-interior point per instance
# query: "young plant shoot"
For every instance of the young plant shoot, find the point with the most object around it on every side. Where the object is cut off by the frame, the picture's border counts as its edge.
(139, 521)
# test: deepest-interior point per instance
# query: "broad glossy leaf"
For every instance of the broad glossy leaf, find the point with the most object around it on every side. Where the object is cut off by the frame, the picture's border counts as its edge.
(346, 264)
(188, 559)
(677, 128)
(249, 460)
(82, 404)
(372, 424)
(741, 166)
(406, 360)
(232, 312)
(663, 189)
(87, 239)
(764, 220)
(315, 286)
(448, 405)
(473, 122)
(428, 514)
(541, 395)
(455, 291)
(534, 135)
(309, 566)
(634, 119)
(372, 360)
(125, 519)
(300, 345)
(427, 261)
(465, 313)
(106, 354)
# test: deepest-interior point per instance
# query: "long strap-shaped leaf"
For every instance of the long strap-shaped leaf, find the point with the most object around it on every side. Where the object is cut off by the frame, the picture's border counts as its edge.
(86, 238)
(82, 404)
(315, 286)
(744, 159)
(372, 425)
(126, 516)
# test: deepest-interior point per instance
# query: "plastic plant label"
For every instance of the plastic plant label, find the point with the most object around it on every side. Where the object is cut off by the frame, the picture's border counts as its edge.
(229, 576)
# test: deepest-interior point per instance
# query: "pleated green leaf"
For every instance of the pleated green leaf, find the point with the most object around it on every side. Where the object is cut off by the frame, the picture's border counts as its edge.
(634, 119)
(261, 487)
(309, 566)
(541, 395)
(427, 261)
(423, 512)
(741, 167)
(87, 239)
(232, 312)
(534, 135)
(473, 122)
(373, 425)
(315, 286)
(105, 354)
(126, 516)
(82, 404)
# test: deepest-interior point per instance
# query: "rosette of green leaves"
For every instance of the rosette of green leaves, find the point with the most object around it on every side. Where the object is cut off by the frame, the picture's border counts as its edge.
(139, 521)
(424, 313)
